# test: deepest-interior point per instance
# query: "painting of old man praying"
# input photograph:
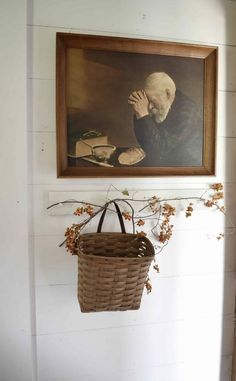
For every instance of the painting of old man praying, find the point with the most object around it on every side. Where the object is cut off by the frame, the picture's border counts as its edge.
(129, 107)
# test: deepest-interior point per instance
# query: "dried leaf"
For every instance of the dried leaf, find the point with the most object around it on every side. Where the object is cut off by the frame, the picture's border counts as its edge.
(148, 285)
(125, 192)
(156, 267)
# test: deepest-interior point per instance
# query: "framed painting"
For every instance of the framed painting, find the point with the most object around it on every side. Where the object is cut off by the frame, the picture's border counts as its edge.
(133, 107)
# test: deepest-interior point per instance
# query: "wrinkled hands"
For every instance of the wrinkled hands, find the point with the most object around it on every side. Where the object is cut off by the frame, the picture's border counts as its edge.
(139, 102)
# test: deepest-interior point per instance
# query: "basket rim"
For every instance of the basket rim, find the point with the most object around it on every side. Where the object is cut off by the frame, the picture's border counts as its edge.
(102, 257)
(142, 238)
(119, 233)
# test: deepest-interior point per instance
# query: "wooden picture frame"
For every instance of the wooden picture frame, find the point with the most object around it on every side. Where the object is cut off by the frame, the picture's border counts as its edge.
(100, 133)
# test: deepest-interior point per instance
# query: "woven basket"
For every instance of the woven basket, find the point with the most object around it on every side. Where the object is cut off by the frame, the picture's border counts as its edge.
(112, 269)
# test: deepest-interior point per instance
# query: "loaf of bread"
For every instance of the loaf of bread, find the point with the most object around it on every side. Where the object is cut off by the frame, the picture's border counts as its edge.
(132, 156)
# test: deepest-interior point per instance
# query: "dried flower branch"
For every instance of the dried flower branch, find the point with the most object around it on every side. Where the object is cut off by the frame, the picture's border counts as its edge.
(159, 210)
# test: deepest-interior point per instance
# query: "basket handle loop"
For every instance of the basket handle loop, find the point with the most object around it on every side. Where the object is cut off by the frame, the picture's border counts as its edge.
(122, 225)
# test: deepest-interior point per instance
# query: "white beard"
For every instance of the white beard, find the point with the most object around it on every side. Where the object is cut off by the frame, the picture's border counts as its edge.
(161, 113)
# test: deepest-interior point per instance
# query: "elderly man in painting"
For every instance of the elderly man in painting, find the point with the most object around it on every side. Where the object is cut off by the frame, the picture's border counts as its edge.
(167, 124)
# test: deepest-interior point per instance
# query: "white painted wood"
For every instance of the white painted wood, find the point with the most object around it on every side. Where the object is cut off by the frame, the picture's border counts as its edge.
(56, 199)
(138, 348)
(44, 52)
(74, 346)
(205, 20)
(226, 114)
(227, 63)
(43, 105)
(44, 158)
(15, 316)
(200, 220)
(225, 161)
(172, 299)
(193, 371)
(54, 266)
(44, 56)
(207, 218)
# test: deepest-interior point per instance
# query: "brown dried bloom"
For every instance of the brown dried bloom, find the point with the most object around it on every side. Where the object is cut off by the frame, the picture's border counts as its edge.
(89, 210)
(218, 196)
(165, 235)
(78, 211)
(209, 203)
(156, 267)
(72, 235)
(189, 210)
(165, 227)
(148, 285)
(168, 210)
(140, 222)
(126, 215)
(217, 186)
(154, 203)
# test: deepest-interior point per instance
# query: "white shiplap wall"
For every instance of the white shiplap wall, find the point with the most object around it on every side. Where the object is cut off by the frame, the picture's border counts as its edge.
(15, 316)
(184, 329)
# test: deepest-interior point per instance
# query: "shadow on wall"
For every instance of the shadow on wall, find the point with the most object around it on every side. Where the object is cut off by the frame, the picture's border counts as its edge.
(227, 94)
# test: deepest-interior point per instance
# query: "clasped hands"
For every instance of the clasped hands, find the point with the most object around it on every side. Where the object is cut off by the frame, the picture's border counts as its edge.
(139, 102)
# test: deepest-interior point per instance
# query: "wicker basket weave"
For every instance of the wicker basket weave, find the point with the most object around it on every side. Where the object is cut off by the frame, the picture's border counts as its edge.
(112, 269)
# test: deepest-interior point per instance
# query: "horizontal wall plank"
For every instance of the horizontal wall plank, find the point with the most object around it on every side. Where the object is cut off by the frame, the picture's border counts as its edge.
(45, 224)
(226, 114)
(54, 266)
(206, 20)
(227, 63)
(193, 371)
(172, 299)
(43, 51)
(109, 351)
(203, 218)
(43, 104)
(177, 333)
(44, 158)
(164, 191)
(44, 56)
(226, 158)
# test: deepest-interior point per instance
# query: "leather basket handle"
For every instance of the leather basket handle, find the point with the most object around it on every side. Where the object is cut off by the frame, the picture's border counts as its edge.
(122, 225)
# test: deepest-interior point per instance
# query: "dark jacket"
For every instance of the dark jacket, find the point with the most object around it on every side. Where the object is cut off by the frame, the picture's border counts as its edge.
(178, 140)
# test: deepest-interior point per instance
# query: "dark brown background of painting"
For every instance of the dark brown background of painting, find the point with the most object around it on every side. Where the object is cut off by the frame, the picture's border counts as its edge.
(99, 83)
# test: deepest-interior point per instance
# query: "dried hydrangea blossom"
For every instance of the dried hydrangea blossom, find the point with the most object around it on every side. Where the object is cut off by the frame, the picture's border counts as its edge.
(72, 235)
(127, 216)
(189, 210)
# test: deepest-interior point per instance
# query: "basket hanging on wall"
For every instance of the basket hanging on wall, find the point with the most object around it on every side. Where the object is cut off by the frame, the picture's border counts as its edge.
(112, 268)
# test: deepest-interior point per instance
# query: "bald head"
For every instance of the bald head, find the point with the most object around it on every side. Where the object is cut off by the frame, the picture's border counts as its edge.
(160, 89)
(160, 82)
